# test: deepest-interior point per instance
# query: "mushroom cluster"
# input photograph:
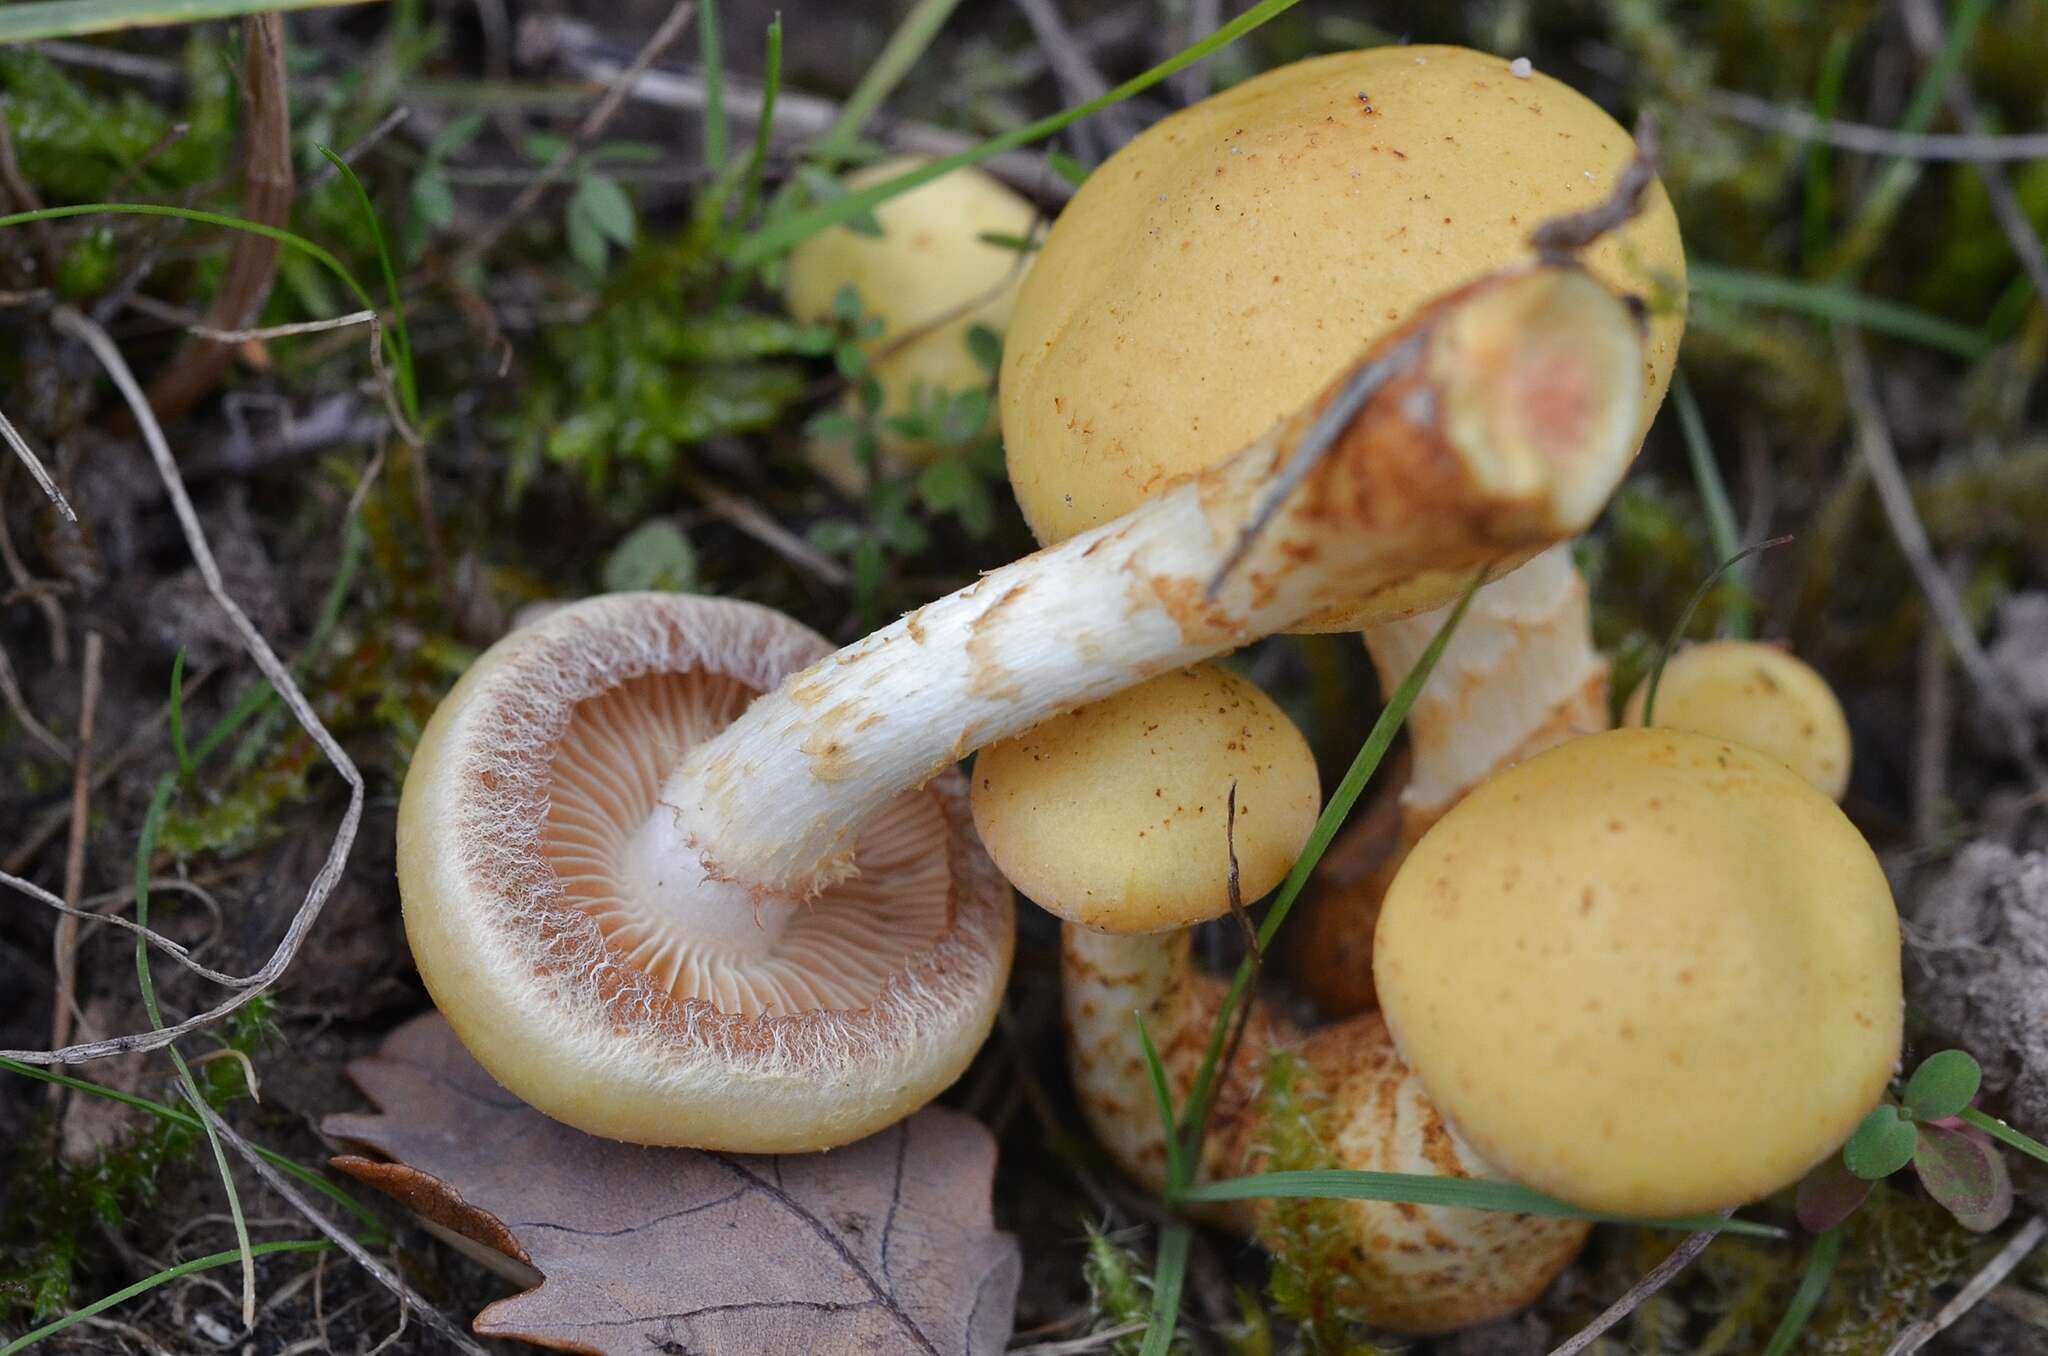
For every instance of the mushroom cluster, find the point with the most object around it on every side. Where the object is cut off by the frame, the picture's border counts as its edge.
(678, 875)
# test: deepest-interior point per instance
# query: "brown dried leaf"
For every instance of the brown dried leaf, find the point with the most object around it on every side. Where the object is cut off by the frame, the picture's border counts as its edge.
(885, 1246)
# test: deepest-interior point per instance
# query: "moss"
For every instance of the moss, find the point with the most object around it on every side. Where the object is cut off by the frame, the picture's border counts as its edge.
(1899, 1250)
(1119, 1295)
(1309, 1243)
(56, 1204)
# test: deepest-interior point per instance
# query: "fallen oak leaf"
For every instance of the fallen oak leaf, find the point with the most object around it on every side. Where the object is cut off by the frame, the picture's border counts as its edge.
(884, 1246)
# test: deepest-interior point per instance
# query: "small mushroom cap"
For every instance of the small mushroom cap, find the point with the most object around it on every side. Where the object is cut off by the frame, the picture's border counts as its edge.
(680, 1017)
(1215, 274)
(1114, 816)
(929, 267)
(1759, 696)
(1648, 972)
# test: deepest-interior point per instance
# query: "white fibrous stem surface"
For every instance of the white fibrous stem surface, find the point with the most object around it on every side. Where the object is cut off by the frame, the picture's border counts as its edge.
(1465, 456)
(1518, 676)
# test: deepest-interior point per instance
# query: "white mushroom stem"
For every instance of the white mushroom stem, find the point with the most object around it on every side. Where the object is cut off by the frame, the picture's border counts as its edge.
(1503, 430)
(1519, 675)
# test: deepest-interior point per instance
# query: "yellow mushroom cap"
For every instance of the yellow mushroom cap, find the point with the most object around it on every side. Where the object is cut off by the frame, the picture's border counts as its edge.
(1114, 816)
(1758, 696)
(1221, 269)
(929, 267)
(1648, 972)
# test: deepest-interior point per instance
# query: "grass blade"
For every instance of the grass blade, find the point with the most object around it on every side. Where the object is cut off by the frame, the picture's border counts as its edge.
(1743, 287)
(1176, 1171)
(757, 159)
(1692, 605)
(1706, 474)
(77, 18)
(177, 716)
(1195, 1115)
(785, 232)
(896, 60)
(1467, 1193)
(1813, 1283)
(2005, 1134)
(711, 54)
(1819, 199)
(401, 341)
(1167, 1277)
(149, 1283)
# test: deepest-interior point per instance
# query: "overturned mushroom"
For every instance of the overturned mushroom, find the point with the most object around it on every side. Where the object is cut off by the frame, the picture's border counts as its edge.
(1459, 456)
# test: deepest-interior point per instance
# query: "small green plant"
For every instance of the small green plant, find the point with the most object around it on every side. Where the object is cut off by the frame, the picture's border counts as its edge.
(599, 213)
(1932, 1128)
(958, 481)
(1119, 1293)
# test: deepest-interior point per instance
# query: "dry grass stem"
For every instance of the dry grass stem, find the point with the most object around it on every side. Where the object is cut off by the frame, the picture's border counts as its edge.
(1874, 439)
(798, 116)
(1863, 139)
(759, 524)
(2020, 1247)
(1655, 1279)
(36, 470)
(78, 326)
(179, 953)
(64, 945)
(340, 1237)
(1075, 1346)
(10, 692)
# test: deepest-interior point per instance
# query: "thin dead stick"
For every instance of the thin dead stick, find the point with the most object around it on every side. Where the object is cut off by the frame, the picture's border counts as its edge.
(798, 115)
(356, 149)
(174, 950)
(36, 469)
(587, 131)
(340, 1237)
(1078, 78)
(64, 946)
(1874, 439)
(1924, 27)
(1561, 238)
(2016, 1251)
(10, 692)
(1076, 1346)
(1655, 1279)
(751, 519)
(283, 331)
(1864, 139)
(73, 323)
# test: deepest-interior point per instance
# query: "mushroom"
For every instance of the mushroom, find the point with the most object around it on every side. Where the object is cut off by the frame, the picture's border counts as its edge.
(1109, 816)
(1113, 817)
(1445, 451)
(1757, 695)
(1187, 295)
(930, 277)
(1520, 675)
(1649, 972)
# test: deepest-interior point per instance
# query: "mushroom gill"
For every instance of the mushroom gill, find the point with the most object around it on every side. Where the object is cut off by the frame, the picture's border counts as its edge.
(834, 953)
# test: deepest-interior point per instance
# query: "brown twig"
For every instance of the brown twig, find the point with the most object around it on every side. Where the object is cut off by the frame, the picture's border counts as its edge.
(2016, 1251)
(267, 186)
(71, 322)
(757, 523)
(1560, 239)
(593, 124)
(64, 947)
(1655, 1279)
(1895, 496)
